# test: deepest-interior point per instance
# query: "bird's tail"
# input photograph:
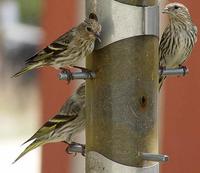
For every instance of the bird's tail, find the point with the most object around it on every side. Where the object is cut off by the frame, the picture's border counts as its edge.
(161, 80)
(26, 69)
(32, 146)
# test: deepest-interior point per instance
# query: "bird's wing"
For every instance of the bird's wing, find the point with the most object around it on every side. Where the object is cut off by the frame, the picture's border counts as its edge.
(195, 31)
(54, 49)
(162, 45)
(32, 146)
(68, 112)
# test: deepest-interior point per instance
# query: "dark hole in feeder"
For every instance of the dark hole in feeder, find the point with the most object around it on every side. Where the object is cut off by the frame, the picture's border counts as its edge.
(143, 101)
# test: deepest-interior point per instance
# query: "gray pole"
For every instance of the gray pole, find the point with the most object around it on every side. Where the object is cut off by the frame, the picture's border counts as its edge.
(121, 102)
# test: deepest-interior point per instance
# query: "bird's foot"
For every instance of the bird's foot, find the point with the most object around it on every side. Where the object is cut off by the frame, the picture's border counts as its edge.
(68, 152)
(85, 70)
(68, 73)
(184, 69)
(162, 69)
(76, 148)
(68, 149)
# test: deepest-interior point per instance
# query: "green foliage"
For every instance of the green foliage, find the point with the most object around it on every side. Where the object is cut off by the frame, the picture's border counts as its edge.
(30, 11)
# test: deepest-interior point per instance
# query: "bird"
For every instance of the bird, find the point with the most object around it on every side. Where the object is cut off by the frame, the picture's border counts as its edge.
(63, 126)
(68, 49)
(178, 38)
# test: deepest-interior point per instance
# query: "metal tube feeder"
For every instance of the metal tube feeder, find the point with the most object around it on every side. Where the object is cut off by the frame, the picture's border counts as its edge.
(121, 102)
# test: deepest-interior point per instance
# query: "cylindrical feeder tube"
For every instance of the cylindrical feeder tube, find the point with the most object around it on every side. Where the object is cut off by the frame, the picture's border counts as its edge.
(121, 102)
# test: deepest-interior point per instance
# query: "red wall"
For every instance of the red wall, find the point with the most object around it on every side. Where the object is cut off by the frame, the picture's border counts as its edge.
(58, 17)
(181, 119)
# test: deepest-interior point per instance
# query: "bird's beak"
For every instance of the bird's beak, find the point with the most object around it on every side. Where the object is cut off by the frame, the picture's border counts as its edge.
(97, 35)
(165, 10)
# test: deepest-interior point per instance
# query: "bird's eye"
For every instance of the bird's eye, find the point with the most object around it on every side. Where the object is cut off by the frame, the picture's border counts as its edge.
(89, 29)
(176, 7)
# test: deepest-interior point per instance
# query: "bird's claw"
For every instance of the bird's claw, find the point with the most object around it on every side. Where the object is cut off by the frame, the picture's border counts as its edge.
(83, 150)
(162, 68)
(68, 152)
(76, 148)
(184, 69)
(68, 73)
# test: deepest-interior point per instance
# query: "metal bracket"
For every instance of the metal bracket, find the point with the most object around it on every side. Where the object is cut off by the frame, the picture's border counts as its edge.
(137, 3)
(134, 20)
(99, 163)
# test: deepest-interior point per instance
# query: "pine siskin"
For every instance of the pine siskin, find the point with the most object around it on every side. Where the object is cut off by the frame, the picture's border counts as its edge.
(177, 39)
(68, 49)
(62, 127)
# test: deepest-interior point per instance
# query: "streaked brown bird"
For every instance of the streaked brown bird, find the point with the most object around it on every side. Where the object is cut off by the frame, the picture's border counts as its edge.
(177, 39)
(68, 49)
(61, 128)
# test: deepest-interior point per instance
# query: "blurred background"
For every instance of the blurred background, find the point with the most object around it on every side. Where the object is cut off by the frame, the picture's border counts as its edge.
(20, 102)
(28, 101)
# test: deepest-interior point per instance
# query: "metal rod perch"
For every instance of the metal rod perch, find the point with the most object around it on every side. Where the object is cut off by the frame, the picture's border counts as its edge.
(180, 71)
